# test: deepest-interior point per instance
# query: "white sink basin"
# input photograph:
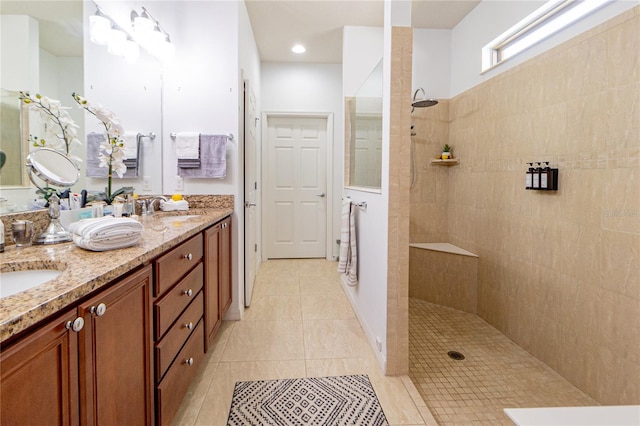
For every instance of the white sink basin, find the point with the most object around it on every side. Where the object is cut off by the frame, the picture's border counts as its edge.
(178, 218)
(19, 281)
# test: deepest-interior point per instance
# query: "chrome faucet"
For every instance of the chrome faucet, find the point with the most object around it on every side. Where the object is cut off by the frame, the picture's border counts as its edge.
(147, 204)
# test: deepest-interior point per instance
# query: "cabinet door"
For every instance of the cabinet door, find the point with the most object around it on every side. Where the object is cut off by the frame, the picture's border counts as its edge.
(39, 377)
(211, 281)
(225, 266)
(116, 354)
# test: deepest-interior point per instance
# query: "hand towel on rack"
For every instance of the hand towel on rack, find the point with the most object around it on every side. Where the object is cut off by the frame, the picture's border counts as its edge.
(93, 169)
(131, 149)
(213, 158)
(348, 262)
(188, 149)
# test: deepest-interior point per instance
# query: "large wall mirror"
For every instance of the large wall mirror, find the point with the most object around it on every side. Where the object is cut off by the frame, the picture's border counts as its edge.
(42, 52)
(363, 138)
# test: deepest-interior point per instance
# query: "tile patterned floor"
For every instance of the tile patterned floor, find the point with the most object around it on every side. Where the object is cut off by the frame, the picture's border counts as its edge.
(495, 374)
(300, 324)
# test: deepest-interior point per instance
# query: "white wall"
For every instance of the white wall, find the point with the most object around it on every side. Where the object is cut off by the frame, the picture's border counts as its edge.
(490, 19)
(431, 67)
(310, 88)
(363, 48)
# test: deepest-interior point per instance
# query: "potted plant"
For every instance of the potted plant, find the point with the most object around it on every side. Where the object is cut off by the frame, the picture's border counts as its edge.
(446, 153)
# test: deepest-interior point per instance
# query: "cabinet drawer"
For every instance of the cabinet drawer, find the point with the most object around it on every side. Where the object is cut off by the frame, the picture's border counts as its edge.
(175, 384)
(167, 309)
(172, 266)
(169, 346)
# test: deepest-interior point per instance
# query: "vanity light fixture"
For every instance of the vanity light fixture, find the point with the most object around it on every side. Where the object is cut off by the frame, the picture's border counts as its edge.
(145, 32)
(142, 25)
(130, 50)
(99, 27)
(116, 41)
(298, 48)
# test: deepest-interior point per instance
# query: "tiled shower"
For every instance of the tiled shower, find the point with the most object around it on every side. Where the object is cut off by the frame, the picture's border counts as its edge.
(558, 272)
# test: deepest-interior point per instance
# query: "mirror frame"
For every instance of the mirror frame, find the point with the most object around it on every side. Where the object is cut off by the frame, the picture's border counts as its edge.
(24, 142)
(33, 166)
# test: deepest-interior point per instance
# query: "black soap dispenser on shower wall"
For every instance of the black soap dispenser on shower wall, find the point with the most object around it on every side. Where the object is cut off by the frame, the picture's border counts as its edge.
(529, 179)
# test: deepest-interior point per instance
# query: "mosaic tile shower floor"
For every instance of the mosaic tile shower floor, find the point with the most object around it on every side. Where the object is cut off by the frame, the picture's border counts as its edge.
(495, 374)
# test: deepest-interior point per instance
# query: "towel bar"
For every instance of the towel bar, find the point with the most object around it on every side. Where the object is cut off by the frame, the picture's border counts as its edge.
(174, 135)
(150, 135)
(361, 204)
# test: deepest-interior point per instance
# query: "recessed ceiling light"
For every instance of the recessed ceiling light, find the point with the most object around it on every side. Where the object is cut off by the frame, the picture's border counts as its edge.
(298, 48)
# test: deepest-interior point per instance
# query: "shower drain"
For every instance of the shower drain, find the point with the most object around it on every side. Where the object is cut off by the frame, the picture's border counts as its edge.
(455, 355)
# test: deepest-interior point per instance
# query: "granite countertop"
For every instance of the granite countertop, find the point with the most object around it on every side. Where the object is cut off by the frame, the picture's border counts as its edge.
(85, 271)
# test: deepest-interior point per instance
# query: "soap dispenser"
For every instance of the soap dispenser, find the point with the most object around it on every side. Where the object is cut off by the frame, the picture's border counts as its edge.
(545, 176)
(536, 177)
(529, 179)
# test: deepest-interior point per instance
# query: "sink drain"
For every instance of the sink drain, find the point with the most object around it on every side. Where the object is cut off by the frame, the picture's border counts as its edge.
(455, 355)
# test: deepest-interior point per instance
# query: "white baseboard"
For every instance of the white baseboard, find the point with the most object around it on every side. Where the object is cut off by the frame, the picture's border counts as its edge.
(382, 359)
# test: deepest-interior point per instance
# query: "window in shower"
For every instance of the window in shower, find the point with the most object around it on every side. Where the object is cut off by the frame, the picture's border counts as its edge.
(552, 17)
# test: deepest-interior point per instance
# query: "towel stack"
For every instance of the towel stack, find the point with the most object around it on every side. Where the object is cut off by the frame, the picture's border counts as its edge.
(106, 233)
(188, 150)
(131, 150)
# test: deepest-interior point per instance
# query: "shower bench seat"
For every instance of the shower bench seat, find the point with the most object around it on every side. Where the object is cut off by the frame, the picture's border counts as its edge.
(444, 274)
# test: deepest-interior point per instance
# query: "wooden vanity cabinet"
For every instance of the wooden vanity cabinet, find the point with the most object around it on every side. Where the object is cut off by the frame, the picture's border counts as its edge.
(116, 357)
(217, 267)
(39, 377)
(91, 366)
(225, 266)
(178, 323)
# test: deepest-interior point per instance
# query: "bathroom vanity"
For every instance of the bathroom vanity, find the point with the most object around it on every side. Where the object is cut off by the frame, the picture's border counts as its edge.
(118, 336)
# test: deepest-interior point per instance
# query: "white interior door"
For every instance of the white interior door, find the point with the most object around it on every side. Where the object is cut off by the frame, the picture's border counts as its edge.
(250, 192)
(296, 187)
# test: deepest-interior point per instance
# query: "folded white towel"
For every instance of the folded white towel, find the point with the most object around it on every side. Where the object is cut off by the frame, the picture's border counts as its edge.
(106, 227)
(188, 145)
(106, 244)
(130, 147)
(170, 206)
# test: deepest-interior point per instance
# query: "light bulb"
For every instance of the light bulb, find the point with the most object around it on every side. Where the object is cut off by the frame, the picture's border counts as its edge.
(99, 27)
(143, 26)
(130, 51)
(117, 39)
(298, 48)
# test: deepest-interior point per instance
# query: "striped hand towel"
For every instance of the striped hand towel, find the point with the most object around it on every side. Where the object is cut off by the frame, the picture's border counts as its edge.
(348, 262)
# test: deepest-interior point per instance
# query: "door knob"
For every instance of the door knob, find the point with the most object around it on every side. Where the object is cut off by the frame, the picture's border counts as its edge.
(249, 204)
(320, 195)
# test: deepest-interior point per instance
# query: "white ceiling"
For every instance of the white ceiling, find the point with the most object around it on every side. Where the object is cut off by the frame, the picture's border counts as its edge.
(277, 24)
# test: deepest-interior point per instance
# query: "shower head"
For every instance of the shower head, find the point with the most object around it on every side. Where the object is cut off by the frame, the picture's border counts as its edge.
(421, 103)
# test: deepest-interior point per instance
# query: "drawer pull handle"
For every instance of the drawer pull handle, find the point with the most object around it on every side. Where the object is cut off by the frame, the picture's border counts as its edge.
(98, 310)
(188, 325)
(187, 292)
(189, 361)
(75, 325)
(187, 256)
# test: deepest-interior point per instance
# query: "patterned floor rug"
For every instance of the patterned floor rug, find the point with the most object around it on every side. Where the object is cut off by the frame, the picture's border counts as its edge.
(341, 400)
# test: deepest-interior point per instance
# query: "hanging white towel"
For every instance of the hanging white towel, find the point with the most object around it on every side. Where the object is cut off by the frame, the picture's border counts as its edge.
(188, 146)
(348, 262)
(130, 148)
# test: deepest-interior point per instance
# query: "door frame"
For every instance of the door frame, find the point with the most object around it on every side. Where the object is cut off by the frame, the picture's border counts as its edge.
(329, 173)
